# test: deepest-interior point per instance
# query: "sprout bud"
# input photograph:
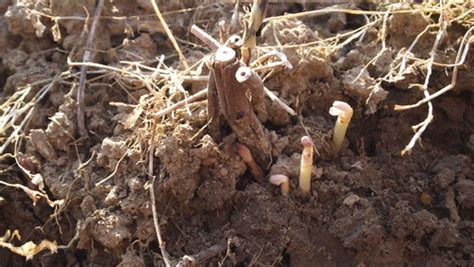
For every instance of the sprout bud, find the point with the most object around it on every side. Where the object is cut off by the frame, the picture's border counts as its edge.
(306, 164)
(283, 181)
(344, 112)
(246, 155)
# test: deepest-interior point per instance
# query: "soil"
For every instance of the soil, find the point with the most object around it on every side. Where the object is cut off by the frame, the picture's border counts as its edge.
(369, 206)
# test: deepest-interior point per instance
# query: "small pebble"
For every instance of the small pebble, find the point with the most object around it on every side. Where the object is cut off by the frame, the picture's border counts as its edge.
(351, 200)
(135, 184)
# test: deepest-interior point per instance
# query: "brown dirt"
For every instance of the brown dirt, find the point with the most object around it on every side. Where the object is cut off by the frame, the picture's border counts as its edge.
(368, 207)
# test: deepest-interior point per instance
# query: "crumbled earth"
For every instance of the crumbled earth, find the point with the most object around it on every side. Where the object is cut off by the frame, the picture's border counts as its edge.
(368, 206)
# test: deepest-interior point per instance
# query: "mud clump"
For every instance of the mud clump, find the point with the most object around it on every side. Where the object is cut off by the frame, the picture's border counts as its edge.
(206, 183)
(359, 228)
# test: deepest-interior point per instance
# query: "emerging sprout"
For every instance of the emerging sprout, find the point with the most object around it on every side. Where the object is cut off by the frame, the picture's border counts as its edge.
(344, 114)
(306, 164)
(283, 181)
(246, 155)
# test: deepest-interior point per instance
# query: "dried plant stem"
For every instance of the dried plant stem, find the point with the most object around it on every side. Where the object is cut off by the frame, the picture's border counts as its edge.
(197, 96)
(32, 194)
(187, 78)
(182, 59)
(133, 17)
(420, 128)
(205, 38)
(348, 11)
(114, 171)
(162, 244)
(384, 46)
(203, 93)
(16, 107)
(410, 48)
(460, 58)
(82, 80)
(15, 134)
(74, 238)
(283, 61)
(354, 34)
(201, 258)
(159, 73)
(275, 98)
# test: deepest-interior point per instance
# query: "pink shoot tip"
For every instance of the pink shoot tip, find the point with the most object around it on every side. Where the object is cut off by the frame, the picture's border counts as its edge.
(306, 141)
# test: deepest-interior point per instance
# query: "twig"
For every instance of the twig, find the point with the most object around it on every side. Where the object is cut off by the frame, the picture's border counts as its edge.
(148, 84)
(203, 93)
(82, 80)
(113, 172)
(283, 61)
(420, 128)
(205, 38)
(348, 11)
(357, 33)
(384, 46)
(134, 17)
(460, 58)
(410, 48)
(164, 253)
(200, 258)
(9, 117)
(279, 101)
(74, 238)
(197, 96)
(170, 34)
(33, 194)
(159, 73)
(352, 35)
(123, 71)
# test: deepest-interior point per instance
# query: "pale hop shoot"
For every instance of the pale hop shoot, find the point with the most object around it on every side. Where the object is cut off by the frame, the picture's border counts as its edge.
(306, 165)
(344, 112)
(283, 181)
